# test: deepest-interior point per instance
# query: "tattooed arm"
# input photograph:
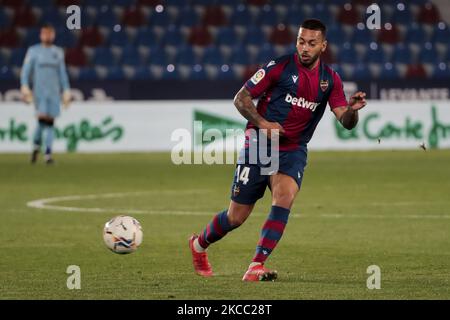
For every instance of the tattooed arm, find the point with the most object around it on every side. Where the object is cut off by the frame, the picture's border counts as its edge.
(246, 107)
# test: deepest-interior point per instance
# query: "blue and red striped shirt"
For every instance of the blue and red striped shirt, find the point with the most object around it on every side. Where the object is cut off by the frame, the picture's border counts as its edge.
(295, 97)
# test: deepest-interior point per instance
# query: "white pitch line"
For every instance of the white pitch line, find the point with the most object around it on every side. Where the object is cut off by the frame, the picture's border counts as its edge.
(48, 204)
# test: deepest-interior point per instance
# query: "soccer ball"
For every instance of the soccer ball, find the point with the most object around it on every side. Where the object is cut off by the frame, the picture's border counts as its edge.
(122, 234)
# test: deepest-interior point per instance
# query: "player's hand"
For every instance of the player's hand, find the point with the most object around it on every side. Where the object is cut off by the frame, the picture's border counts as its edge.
(27, 94)
(270, 127)
(358, 100)
(66, 98)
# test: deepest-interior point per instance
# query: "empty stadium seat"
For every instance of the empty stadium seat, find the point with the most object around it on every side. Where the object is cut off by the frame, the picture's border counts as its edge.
(402, 54)
(103, 57)
(281, 35)
(213, 56)
(91, 37)
(142, 73)
(119, 39)
(415, 71)
(51, 15)
(415, 34)
(115, 73)
(241, 16)
(197, 72)
(254, 36)
(87, 73)
(65, 38)
(9, 38)
(106, 17)
(133, 17)
(214, 16)
(24, 17)
(389, 34)
(226, 36)
(131, 56)
(347, 54)
(225, 73)
(349, 15)
(158, 58)
(186, 56)
(361, 72)
(441, 34)
(428, 54)
(17, 56)
(441, 71)
(75, 57)
(429, 14)
(268, 17)
(388, 71)
(266, 53)
(188, 17)
(145, 37)
(200, 36)
(160, 18)
(375, 54)
(240, 56)
(6, 73)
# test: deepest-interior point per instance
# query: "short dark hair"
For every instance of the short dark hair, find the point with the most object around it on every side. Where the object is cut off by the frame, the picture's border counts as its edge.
(315, 24)
(47, 26)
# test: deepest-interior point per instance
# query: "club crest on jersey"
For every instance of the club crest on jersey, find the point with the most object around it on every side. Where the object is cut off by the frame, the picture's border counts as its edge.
(257, 77)
(324, 85)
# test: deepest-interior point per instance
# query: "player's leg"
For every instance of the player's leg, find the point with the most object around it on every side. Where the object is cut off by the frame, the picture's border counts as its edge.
(245, 192)
(38, 132)
(37, 139)
(49, 131)
(284, 189)
(53, 111)
(220, 225)
(285, 186)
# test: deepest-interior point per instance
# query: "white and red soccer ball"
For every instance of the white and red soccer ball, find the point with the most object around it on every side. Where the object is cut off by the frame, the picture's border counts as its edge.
(123, 234)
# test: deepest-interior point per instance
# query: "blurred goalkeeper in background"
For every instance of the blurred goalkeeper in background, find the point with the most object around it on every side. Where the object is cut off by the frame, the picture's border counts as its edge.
(45, 69)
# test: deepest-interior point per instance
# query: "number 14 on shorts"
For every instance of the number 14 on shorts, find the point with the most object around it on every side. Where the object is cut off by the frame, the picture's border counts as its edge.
(242, 174)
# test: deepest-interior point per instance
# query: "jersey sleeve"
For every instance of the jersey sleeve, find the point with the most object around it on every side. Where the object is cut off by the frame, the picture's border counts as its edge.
(64, 79)
(337, 95)
(27, 68)
(263, 79)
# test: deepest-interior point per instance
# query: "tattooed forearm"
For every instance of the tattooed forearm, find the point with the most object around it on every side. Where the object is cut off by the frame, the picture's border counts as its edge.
(246, 107)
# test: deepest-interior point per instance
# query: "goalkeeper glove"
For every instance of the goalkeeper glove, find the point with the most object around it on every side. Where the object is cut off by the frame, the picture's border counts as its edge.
(27, 94)
(66, 98)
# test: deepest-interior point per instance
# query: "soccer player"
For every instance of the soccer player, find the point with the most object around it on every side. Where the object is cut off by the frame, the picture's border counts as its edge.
(44, 66)
(293, 93)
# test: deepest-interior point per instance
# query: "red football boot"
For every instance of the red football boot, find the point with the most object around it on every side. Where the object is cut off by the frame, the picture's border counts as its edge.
(259, 273)
(200, 260)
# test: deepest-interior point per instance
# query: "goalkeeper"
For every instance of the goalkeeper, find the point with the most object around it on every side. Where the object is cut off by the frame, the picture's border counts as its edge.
(45, 69)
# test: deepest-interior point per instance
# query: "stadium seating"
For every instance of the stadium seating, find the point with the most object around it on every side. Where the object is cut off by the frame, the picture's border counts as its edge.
(208, 39)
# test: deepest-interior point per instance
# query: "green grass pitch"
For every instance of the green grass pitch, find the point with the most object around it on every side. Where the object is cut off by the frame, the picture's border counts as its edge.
(355, 209)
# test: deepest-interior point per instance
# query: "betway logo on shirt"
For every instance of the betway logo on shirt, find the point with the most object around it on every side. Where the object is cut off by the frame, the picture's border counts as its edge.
(301, 102)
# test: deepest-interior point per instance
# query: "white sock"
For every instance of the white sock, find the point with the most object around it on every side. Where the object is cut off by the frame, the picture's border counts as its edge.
(254, 264)
(198, 247)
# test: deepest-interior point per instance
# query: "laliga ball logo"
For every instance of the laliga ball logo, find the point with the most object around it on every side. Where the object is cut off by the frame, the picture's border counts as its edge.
(123, 234)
